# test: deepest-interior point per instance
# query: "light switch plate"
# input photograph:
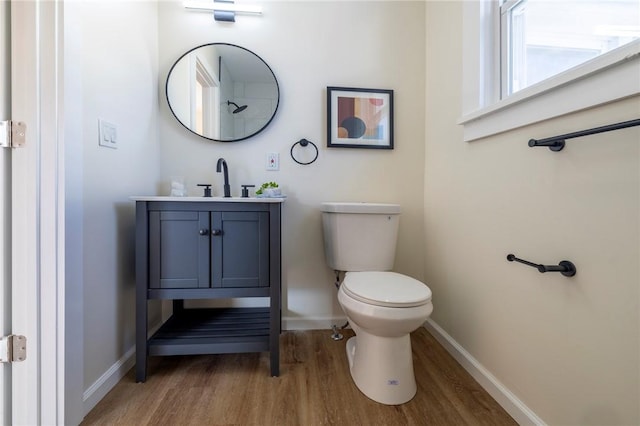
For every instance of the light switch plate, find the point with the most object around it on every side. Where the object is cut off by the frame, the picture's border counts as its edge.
(108, 134)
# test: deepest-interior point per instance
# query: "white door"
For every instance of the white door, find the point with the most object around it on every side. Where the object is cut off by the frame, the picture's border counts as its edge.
(5, 221)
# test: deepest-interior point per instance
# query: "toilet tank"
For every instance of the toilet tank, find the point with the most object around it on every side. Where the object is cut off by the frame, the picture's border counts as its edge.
(360, 236)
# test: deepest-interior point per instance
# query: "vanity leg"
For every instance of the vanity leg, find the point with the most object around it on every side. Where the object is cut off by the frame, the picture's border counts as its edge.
(274, 341)
(141, 340)
(274, 344)
(275, 319)
(275, 281)
(178, 306)
(142, 256)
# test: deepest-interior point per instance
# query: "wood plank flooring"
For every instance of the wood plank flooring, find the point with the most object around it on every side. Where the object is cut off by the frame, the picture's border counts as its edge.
(314, 388)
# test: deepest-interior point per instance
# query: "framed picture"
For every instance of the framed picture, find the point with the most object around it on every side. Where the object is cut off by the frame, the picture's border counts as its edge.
(359, 118)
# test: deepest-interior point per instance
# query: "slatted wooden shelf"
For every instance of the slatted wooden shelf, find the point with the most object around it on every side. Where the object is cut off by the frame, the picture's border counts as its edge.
(213, 331)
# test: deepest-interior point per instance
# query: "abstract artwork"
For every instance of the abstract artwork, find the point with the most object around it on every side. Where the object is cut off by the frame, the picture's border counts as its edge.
(359, 118)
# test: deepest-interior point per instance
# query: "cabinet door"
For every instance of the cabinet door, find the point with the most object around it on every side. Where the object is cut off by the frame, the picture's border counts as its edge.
(178, 249)
(240, 250)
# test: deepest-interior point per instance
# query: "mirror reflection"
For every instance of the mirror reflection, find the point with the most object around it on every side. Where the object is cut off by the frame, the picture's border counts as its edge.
(222, 92)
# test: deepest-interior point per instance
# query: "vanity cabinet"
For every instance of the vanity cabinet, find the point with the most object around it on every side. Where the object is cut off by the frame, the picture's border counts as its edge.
(203, 249)
(198, 248)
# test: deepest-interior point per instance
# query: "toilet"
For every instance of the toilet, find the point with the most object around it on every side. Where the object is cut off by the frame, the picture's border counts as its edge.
(382, 307)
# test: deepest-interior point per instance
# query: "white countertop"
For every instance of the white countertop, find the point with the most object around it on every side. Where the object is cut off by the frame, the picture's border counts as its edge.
(208, 199)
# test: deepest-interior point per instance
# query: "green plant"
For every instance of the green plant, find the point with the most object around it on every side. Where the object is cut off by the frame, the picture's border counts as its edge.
(265, 186)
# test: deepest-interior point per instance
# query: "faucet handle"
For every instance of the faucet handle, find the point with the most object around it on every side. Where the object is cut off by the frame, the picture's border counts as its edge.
(207, 189)
(245, 190)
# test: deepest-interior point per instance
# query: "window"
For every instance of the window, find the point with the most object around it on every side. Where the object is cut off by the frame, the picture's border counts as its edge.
(542, 38)
(525, 61)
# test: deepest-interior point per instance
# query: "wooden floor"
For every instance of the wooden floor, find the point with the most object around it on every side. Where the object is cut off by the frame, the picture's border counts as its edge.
(314, 388)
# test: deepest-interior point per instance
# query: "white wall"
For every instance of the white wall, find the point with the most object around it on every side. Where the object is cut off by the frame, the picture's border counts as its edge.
(309, 46)
(567, 348)
(112, 61)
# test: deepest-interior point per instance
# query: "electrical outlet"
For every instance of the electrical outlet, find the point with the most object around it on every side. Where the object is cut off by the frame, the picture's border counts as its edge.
(273, 161)
(108, 135)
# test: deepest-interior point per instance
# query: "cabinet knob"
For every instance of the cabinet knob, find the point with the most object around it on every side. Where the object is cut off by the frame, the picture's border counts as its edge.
(203, 232)
(216, 232)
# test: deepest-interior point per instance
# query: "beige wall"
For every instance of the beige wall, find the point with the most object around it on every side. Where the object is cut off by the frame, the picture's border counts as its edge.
(567, 348)
(309, 46)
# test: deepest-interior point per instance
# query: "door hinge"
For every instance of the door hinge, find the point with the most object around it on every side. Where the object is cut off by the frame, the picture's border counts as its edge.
(13, 348)
(12, 134)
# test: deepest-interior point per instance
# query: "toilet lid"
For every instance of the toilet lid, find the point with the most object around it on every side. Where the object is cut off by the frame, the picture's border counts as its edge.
(386, 289)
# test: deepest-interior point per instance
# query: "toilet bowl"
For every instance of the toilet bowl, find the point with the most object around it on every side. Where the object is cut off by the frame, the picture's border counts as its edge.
(383, 308)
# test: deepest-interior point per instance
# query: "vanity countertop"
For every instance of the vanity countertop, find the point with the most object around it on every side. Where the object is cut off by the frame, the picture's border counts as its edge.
(209, 199)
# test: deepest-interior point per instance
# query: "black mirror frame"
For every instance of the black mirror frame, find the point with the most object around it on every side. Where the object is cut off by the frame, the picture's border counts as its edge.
(166, 92)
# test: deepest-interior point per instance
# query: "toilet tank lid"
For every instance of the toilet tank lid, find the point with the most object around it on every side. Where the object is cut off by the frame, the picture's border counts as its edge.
(370, 208)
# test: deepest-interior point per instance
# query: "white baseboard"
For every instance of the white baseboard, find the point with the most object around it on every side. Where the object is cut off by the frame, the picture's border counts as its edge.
(108, 380)
(306, 323)
(101, 387)
(512, 405)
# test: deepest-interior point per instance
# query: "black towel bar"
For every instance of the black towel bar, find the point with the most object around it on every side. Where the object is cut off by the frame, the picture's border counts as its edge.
(566, 268)
(556, 143)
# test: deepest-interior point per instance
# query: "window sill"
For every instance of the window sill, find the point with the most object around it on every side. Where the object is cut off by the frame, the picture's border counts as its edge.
(608, 78)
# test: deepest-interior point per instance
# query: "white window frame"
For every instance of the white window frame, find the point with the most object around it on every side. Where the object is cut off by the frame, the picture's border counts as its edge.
(612, 76)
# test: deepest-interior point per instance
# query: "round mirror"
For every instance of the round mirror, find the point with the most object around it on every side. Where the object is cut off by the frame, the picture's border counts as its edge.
(222, 92)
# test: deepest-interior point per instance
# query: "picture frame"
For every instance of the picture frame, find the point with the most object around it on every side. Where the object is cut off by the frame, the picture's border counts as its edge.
(359, 118)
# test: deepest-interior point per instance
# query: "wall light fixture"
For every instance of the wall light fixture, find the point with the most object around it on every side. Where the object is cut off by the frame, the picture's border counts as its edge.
(223, 10)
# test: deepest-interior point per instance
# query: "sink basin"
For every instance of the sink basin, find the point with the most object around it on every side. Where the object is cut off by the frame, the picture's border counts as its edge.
(207, 199)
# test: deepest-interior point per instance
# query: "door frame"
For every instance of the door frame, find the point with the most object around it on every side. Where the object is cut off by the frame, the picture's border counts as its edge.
(5, 224)
(38, 274)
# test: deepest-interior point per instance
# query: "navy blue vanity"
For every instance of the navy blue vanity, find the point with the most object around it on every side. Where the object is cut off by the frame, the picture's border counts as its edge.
(208, 248)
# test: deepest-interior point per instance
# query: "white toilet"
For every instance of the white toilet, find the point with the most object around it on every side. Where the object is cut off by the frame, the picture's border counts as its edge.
(382, 307)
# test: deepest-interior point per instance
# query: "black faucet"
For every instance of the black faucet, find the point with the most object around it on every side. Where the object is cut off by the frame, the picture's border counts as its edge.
(223, 165)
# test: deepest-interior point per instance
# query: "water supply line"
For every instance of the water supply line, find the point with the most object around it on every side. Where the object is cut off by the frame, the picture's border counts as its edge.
(336, 335)
(337, 283)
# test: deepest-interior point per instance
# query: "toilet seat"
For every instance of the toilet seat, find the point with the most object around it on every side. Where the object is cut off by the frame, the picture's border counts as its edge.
(388, 289)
